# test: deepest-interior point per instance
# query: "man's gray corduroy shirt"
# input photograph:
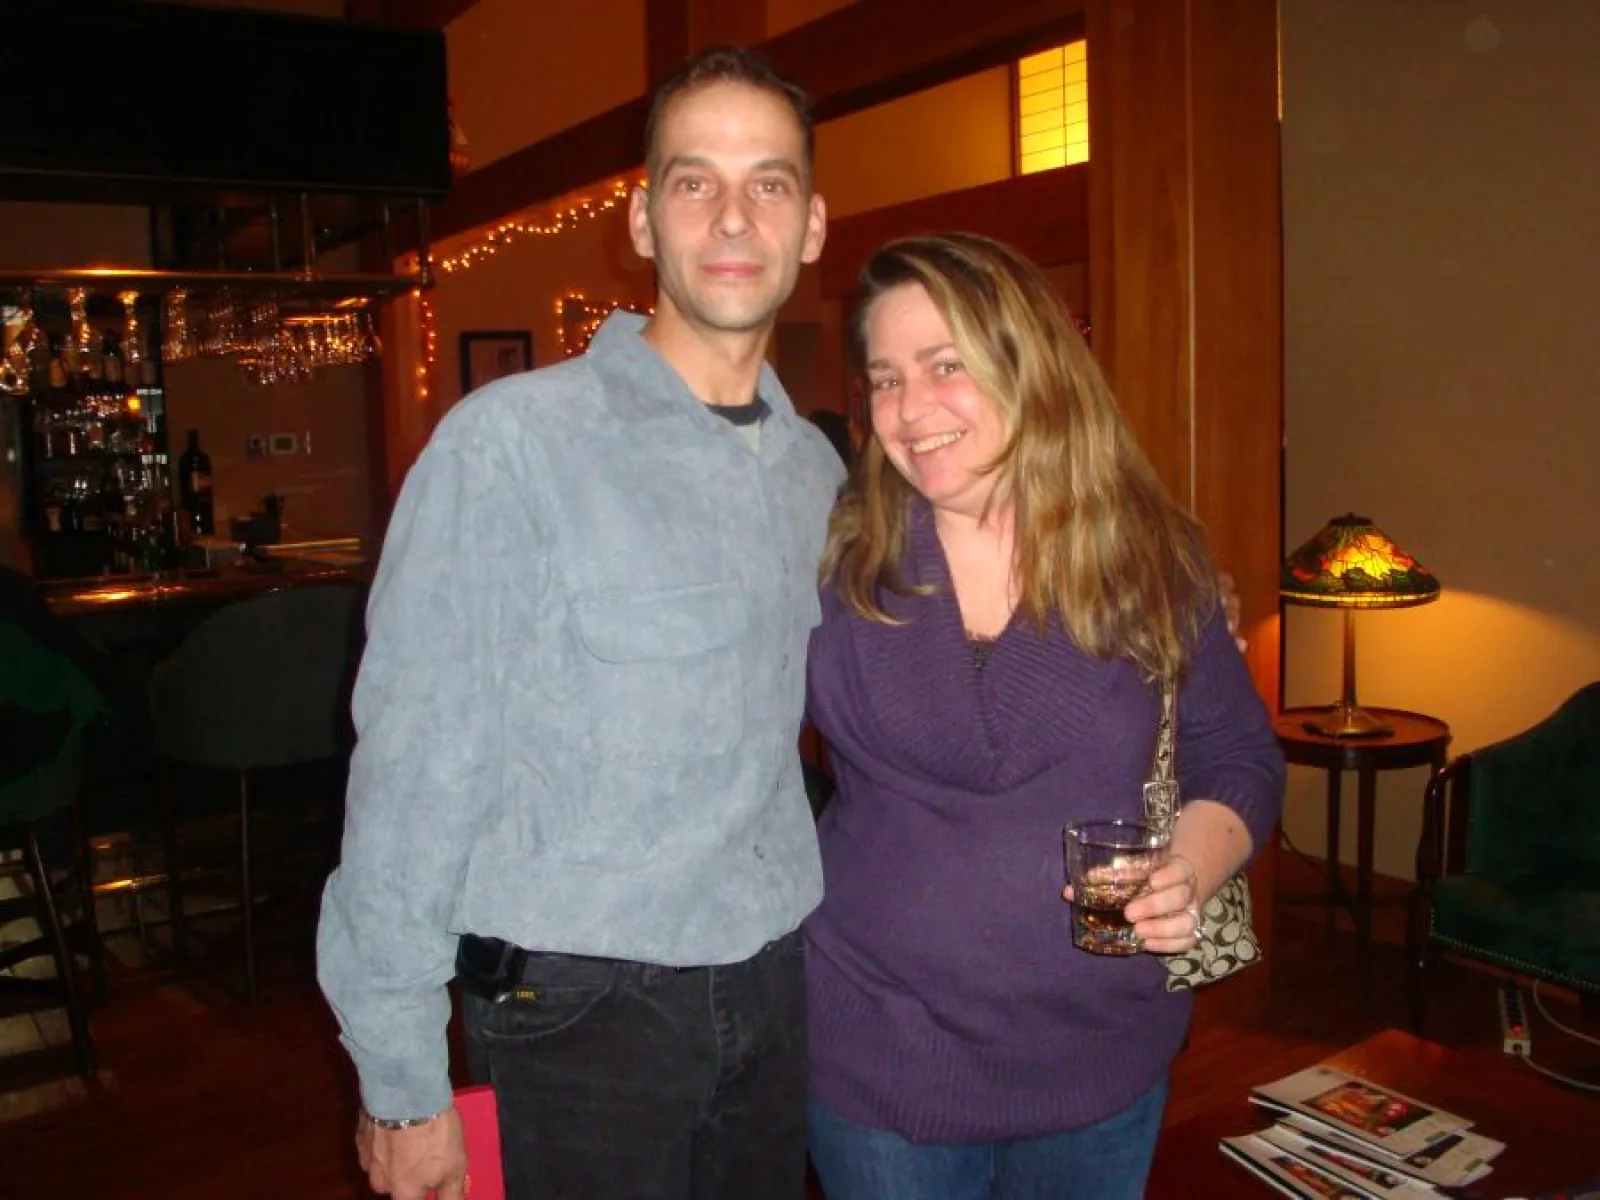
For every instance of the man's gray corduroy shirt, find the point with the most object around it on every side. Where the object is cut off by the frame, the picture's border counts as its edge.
(578, 707)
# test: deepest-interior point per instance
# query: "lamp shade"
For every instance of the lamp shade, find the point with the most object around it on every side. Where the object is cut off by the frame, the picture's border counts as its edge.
(1351, 563)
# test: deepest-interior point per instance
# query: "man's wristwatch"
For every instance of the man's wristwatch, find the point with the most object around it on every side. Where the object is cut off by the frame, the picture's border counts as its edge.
(400, 1122)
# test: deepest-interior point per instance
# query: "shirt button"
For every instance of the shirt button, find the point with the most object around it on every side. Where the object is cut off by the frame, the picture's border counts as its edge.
(785, 662)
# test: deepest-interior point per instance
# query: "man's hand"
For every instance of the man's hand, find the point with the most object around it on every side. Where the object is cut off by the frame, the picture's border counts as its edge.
(416, 1163)
(1231, 608)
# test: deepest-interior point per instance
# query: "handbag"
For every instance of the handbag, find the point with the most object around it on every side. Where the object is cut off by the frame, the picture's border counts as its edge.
(1226, 940)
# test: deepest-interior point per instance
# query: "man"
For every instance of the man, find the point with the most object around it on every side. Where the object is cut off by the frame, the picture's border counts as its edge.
(577, 719)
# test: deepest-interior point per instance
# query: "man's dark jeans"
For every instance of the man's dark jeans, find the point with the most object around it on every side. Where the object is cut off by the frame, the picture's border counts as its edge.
(624, 1081)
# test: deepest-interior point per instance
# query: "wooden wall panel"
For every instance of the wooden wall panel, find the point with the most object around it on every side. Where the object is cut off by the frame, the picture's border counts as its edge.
(1186, 291)
(1238, 311)
(666, 37)
(1139, 216)
(1043, 215)
(863, 54)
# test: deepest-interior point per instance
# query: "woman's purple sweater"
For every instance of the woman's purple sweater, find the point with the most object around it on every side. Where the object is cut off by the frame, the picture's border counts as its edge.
(947, 1002)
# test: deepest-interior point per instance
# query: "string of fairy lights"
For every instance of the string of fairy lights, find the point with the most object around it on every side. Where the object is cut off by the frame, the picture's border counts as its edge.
(428, 324)
(577, 315)
(579, 318)
(577, 212)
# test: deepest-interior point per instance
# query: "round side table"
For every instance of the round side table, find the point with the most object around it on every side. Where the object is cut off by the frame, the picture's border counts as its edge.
(1417, 741)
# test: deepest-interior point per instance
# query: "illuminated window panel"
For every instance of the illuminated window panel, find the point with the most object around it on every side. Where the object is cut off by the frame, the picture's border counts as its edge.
(1053, 108)
(1045, 142)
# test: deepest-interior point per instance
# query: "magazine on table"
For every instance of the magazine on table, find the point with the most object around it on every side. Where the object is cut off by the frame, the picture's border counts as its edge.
(1290, 1175)
(1361, 1171)
(1380, 1118)
(1452, 1161)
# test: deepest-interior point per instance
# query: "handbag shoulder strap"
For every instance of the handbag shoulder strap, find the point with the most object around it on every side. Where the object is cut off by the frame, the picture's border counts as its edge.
(1161, 799)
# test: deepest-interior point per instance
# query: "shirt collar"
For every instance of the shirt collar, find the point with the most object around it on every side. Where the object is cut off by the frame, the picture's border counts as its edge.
(644, 387)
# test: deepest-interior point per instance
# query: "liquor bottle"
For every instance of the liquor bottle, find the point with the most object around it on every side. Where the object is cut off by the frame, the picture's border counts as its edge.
(71, 510)
(111, 499)
(57, 369)
(91, 514)
(44, 427)
(172, 534)
(111, 360)
(194, 483)
(55, 515)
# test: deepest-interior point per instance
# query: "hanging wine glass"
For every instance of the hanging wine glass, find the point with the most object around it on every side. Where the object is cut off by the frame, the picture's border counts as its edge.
(13, 381)
(343, 342)
(177, 343)
(214, 333)
(16, 372)
(132, 336)
(34, 342)
(265, 321)
(85, 346)
(301, 358)
(371, 343)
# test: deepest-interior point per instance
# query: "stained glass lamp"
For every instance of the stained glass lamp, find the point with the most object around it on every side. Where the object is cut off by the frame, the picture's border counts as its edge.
(1352, 564)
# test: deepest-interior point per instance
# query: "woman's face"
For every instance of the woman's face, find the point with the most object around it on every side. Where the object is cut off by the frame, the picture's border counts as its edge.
(934, 424)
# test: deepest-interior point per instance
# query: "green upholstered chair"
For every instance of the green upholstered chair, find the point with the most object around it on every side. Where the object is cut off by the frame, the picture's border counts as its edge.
(260, 684)
(1508, 867)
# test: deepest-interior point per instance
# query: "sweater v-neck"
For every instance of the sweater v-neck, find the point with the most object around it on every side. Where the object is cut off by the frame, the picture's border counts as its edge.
(982, 728)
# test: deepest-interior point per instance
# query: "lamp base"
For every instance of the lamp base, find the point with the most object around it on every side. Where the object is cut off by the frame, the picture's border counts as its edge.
(1347, 721)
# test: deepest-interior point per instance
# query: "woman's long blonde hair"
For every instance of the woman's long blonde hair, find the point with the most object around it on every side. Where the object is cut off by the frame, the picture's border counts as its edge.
(1099, 543)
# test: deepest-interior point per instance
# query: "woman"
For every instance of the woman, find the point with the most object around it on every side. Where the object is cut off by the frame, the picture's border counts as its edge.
(1004, 582)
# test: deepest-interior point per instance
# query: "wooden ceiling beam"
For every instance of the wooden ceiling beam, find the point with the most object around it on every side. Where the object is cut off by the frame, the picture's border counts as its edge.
(407, 14)
(857, 57)
(1045, 216)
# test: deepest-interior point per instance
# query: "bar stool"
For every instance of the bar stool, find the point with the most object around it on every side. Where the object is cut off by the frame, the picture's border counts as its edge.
(262, 683)
(28, 806)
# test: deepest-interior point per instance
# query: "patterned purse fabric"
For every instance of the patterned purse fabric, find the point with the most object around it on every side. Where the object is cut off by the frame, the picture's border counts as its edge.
(1227, 941)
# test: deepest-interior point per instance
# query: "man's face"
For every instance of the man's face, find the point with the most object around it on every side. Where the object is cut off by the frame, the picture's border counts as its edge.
(730, 215)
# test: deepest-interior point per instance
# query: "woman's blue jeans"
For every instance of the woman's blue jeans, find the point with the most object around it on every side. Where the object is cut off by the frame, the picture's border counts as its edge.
(1105, 1161)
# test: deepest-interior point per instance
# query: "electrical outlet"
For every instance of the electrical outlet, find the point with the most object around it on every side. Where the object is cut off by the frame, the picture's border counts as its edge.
(283, 443)
(255, 445)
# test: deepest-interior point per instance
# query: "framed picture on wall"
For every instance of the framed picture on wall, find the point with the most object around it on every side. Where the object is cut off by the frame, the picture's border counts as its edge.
(490, 354)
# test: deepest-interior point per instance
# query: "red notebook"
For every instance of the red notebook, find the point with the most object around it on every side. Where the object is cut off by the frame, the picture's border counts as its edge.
(480, 1126)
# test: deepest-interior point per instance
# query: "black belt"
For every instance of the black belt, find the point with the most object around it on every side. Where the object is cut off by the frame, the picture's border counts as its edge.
(492, 968)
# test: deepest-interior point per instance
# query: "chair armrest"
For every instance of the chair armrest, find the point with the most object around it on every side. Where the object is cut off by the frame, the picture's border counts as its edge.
(1441, 849)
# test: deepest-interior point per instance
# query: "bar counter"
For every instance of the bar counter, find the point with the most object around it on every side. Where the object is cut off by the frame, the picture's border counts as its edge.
(209, 586)
(291, 565)
(134, 621)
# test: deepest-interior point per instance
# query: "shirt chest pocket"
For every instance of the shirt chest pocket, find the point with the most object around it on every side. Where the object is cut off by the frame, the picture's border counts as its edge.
(663, 669)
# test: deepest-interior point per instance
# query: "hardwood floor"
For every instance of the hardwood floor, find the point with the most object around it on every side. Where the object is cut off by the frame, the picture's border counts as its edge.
(201, 1098)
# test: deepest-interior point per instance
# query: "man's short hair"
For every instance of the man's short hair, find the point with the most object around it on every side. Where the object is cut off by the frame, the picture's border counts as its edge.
(728, 64)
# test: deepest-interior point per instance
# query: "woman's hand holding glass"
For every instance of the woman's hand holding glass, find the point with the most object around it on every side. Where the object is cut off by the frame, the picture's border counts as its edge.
(1166, 917)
